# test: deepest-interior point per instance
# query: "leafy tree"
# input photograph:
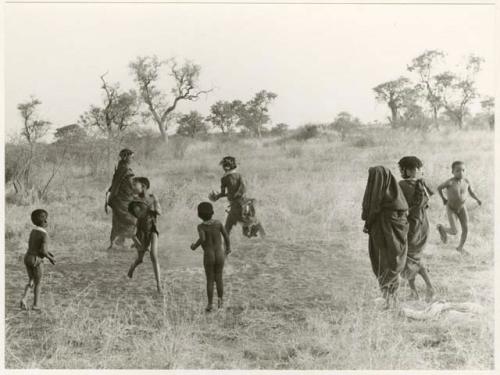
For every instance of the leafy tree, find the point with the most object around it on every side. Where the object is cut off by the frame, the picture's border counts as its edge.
(146, 71)
(70, 134)
(279, 129)
(395, 94)
(253, 115)
(456, 92)
(224, 115)
(424, 66)
(344, 122)
(192, 124)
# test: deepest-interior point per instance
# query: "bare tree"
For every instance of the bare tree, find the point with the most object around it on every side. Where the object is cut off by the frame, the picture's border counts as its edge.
(33, 129)
(488, 105)
(424, 65)
(146, 71)
(117, 113)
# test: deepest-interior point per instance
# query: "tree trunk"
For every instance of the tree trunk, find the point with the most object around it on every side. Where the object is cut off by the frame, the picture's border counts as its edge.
(435, 117)
(394, 115)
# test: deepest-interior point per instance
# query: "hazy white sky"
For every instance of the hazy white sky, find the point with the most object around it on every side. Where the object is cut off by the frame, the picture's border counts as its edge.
(319, 59)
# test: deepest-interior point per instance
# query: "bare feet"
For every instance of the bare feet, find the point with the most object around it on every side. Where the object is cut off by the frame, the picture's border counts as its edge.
(220, 303)
(35, 308)
(208, 308)
(462, 251)
(442, 233)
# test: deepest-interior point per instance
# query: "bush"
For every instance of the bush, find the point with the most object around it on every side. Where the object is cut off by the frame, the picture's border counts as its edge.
(306, 132)
(363, 142)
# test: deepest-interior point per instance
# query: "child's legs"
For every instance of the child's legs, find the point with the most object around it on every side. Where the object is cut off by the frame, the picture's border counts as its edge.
(37, 280)
(154, 259)
(463, 217)
(452, 220)
(233, 216)
(218, 269)
(208, 263)
(422, 272)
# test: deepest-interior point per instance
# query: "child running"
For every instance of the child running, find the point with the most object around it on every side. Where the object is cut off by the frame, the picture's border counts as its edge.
(146, 209)
(456, 188)
(417, 196)
(210, 232)
(33, 260)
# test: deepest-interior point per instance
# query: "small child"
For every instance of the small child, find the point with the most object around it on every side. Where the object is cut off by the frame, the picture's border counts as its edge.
(417, 196)
(33, 260)
(146, 209)
(210, 232)
(456, 193)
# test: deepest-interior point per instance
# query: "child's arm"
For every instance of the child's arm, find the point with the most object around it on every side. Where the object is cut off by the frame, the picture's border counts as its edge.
(201, 239)
(440, 189)
(227, 243)
(45, 252)
(473, 195)
(156, 205)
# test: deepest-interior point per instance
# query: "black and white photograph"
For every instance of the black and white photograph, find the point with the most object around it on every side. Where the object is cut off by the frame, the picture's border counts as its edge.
(249, 185)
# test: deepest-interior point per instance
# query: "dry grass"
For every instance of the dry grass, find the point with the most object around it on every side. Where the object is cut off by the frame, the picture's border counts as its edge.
(302, 298)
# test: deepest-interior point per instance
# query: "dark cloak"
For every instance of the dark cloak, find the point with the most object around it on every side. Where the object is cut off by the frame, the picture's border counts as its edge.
(121, 194)
(385, 214)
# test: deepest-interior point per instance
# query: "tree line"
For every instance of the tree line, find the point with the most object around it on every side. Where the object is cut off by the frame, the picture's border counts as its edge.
(433, 92)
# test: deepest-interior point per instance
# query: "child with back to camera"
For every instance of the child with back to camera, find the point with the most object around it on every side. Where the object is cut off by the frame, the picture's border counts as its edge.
(210, 232)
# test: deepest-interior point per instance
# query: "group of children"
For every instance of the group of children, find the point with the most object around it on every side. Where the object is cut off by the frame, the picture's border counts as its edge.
(146, 209)
(395, 215)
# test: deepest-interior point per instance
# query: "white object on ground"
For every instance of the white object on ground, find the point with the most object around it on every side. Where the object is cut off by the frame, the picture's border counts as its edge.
(462, 310)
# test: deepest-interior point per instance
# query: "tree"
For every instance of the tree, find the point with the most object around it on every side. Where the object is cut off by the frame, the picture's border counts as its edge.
(70, 134)
(279, 129)
(33, 128)
(424, 65)
(224, 115)
(343, 123)
(253, 115)
(117, 114)
(456, 92)
(192, 124)
(488, 105)
(146, 71)
(395, 94)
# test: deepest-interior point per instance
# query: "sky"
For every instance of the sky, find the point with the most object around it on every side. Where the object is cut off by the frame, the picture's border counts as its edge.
(319, 59)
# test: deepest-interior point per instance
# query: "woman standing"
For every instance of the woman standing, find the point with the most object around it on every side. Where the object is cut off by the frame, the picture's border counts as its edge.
(385, 215)
(118, 196)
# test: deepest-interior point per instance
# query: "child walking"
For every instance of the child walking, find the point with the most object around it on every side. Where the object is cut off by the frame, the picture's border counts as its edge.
(456, 188)
(210, 232)
(417, 195)
(33, 259)
(146, 209)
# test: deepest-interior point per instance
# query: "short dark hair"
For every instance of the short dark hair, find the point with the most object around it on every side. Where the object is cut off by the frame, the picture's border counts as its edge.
(39, 216)
(144, 181)
(132, 205)
(125, 152)
(228, 161)
(409, 162)
(205, 210)
(455, 163)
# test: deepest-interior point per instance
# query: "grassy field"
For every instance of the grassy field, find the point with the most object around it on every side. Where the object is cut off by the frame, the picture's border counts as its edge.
(302, 298)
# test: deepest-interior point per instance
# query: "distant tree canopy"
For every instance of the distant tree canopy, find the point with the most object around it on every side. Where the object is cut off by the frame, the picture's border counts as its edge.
(146, 72)
(253, 115)
(343, 123)
(444, 92)
(224, 115)
(192, 124)
(70, 133)
(115, 115)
